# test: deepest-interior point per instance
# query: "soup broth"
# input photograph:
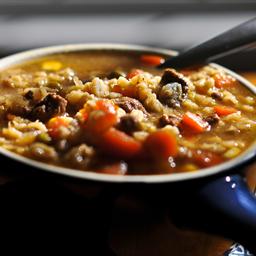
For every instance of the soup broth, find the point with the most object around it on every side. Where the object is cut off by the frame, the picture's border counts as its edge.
(114, 112)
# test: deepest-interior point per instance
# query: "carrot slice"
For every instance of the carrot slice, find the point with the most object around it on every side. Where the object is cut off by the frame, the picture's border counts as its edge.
(119, 144)
(151, 60)
(102, 117)
(83, 115)
(194, 122)
(128, 91)
(106, 105)
(54, 125)
(100, 121)
(161, 145)
(224, 81)
(224, 110)
(206, 158)
(133, 73)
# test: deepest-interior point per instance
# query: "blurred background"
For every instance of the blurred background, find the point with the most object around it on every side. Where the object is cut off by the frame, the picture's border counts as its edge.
(176, 24)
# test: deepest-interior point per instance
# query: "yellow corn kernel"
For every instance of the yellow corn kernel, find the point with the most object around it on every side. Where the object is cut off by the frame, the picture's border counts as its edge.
(51, 65)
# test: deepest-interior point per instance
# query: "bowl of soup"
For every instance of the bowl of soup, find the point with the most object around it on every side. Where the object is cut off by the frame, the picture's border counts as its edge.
(106, 113)
(113, 112)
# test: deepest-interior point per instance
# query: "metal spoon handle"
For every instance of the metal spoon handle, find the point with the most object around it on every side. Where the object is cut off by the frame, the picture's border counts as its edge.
(241, 35)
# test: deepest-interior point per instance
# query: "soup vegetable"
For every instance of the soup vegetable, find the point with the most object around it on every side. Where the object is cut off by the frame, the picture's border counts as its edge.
(114, 112)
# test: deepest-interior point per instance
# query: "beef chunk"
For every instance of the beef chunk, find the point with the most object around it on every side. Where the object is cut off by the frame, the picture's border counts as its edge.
(20, 110)
(172, 76)
(173, 88)
(169, 120)
(51, 105)
(115, 74)
(171, 95)
(80, 156)
(128, 124)
(217, 95)
(29, 95)
(129, 104)
(212, 119)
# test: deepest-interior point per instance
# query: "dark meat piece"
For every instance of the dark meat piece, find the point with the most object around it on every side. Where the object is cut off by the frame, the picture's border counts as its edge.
(115, 74)
(128, 124)
(51, 105)
(171, 95)
(169, 120)
(29, 95)
(172, 76)
(216, 96)
(129, 104)
(213, 119)
(80, 156)
(20, 110)
(173, 88)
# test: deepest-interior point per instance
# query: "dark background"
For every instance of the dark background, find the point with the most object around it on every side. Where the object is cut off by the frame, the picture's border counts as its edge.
(176, 24)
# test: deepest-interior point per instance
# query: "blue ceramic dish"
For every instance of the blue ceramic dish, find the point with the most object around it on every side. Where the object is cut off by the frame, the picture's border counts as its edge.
(220, 189)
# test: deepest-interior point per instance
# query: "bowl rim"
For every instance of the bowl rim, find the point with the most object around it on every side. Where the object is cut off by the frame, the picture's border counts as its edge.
(18, 58)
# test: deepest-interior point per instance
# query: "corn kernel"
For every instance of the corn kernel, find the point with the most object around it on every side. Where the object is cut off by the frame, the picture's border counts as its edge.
(51, 65)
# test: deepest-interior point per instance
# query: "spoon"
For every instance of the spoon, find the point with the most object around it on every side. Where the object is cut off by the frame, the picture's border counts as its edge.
(233, 40)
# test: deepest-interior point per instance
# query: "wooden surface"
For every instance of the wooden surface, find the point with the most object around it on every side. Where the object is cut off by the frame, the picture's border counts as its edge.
(149, 233)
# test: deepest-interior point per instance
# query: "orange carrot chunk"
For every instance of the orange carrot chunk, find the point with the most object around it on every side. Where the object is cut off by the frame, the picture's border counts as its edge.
(83, 115)
(151, 60)
(161, 145)
(54, 125)
(107, 106)
(206, 158)
(100, 121)
(102, 117)
(128, 91)
(119, 144)
(224, 81)
(194, 122)
(133, 73)
(224, 110)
